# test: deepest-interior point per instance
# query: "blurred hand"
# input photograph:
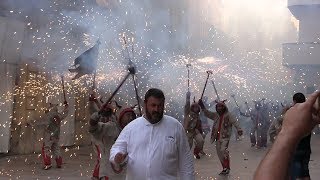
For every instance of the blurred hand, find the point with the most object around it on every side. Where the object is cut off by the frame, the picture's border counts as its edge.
(119, 158)
(201, 104)
(301, 118)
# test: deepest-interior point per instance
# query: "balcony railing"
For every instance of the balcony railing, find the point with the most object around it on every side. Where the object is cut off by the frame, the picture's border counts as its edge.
(303, 2)
(301, 54)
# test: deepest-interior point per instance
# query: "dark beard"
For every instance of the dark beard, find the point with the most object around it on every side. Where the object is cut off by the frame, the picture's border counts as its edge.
(154, 117)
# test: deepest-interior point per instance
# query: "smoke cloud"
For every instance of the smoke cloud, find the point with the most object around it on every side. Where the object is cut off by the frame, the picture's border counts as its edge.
(239, 41)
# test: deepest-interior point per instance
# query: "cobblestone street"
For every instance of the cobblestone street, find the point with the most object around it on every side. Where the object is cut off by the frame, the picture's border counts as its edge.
(79, 162)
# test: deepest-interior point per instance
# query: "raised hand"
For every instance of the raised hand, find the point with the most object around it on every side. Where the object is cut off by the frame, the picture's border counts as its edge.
(188, 94)
(201, 104)
(301, 118)
(92, 97)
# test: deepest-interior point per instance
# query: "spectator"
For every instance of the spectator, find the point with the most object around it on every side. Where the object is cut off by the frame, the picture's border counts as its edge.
(298, 122)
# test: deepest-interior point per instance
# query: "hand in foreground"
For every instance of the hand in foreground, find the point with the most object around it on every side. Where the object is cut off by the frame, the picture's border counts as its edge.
(119, 158)
(301, 118)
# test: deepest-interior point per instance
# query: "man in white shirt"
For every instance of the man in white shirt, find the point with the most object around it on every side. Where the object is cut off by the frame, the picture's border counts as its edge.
(154, 146)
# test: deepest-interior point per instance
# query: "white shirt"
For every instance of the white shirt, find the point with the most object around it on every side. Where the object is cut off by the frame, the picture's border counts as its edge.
(155, 151)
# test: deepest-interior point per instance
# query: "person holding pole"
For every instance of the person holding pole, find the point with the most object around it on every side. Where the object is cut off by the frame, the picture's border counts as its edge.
(105, 128)
(257, 136)
(192, 125)
(52, 132)
(221, 132)
(192, 122)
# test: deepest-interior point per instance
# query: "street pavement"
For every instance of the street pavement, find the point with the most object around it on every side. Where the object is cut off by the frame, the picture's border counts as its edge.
(79, 162)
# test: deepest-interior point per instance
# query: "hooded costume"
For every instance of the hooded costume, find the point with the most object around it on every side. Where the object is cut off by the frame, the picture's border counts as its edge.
(192, 125)
(258, 132)
(104, 133)
(221, 132)
(52, 134)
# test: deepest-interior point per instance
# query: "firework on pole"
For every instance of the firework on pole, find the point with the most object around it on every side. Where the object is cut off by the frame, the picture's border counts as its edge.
(63, 90)
(188, 69)
(235, 101)
(215, 90)
(209, 72)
